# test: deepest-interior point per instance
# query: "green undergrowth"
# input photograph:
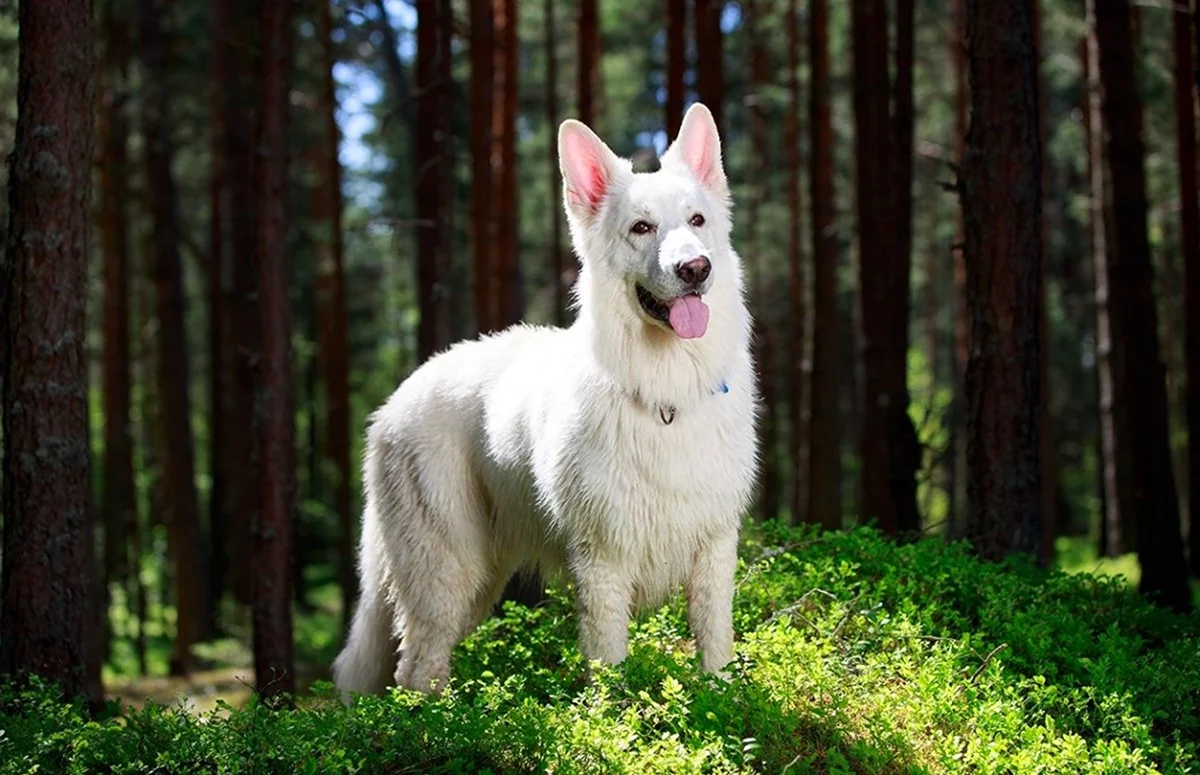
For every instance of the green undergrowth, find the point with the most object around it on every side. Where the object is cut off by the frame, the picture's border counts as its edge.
(854, 656)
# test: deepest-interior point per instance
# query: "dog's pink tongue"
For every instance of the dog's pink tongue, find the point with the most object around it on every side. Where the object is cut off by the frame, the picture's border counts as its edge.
(689, 316)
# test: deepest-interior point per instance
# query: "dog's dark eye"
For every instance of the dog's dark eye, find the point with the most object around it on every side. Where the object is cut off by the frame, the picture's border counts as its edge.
(641, 227)
(697, 220)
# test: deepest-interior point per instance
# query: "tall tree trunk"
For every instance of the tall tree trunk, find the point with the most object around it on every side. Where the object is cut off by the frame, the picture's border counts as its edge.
(825, 454)
(183, 523)
(677, 64)
(331, 313)
(710, 71)
(274, 662)
(589, 59)
(483, 48)
(1099, 207)
(510, 301)
(558, 267)
(1047, 438)
(44, 596)
(961, 326)
(797, 442)
(119, 505)
(431, 146)
(1002, 209)
(891, 453)
(765, 355)
(221, 505)
(1142, 429)
(241, 116)
(1185, 118)
(902, 122)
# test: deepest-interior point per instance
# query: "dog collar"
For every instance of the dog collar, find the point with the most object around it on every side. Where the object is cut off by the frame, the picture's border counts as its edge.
(666, 412)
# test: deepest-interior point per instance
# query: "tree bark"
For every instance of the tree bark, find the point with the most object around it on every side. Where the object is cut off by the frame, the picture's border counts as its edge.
(221, 506)
(1185, 102)
(825, 454)
(182, 517)
(44, 593)
(274, 662)
(331, 312)
(958, 434)
(482, 224)
(1047, 438)
(431, 147)
(1142, 429)
(797, 438)
(891, 452)
(119, 504)
(241, 107)
(677, 64)
(1002, 209)
(507, 283)
(557, 265)
(589, 55)
(710, 70)
(765, 357)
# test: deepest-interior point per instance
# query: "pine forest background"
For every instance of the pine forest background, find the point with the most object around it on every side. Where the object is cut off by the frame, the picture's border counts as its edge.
(421, 204)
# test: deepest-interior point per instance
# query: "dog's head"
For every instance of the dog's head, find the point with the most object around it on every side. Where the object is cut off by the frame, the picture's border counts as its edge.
(658, 239)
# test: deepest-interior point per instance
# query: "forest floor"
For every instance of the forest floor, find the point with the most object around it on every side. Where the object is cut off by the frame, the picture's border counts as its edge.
(227, 674)
(854, 655)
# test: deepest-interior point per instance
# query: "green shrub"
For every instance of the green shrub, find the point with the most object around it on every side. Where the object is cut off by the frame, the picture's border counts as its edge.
(854, 656)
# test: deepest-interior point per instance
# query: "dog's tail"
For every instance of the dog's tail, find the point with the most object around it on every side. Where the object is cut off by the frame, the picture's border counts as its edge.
(367, 662)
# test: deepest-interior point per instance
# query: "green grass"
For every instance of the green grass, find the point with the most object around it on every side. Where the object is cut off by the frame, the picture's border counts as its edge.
(853, 656)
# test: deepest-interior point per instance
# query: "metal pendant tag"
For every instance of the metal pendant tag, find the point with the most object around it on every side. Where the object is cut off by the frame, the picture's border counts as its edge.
(667, 413)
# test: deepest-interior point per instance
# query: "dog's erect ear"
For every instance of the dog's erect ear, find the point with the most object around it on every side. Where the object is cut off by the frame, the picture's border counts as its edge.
(698, 147)
(588, 167)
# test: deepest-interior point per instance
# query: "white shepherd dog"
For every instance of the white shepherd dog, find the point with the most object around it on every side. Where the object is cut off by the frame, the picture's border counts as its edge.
(620, 452)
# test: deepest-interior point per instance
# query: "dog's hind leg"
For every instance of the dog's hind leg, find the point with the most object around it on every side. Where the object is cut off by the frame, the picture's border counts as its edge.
(441, 557)
(366, 662)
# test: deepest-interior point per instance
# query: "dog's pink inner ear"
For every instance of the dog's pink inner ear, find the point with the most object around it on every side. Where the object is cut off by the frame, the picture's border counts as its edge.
(587, 175)
(700, 151)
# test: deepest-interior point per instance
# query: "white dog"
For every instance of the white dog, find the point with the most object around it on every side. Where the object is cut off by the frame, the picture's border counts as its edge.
(621, 451)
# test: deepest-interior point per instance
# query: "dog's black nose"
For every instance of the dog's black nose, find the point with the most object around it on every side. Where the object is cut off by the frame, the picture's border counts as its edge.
(694, 272)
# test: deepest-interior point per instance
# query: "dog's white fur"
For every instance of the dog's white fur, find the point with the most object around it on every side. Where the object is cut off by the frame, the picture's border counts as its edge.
(548, 448)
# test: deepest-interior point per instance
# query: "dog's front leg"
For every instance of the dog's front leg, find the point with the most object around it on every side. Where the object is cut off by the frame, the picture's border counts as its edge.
(710, 600)
(603, 601)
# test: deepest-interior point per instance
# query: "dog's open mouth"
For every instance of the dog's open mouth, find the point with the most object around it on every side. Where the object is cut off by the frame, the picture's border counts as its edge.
(686, 315)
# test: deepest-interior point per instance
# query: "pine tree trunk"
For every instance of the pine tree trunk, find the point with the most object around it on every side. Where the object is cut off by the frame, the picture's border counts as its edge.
(1002, 210)
(764, 338)
(182, 517)
(1185, 117)
(558, 267)
(1047, 438)
(44, 596)
(119, 504)
(825, 455)
(482, 222)
(958, 435)
(677, 63)
(274, 662)
(1142, 429)
(220, 259)
(510, 301)
(797, 438)
(710, 72)
(241, 107)
(431, 169)
(891, 453)
(331, 313)
(589, 56)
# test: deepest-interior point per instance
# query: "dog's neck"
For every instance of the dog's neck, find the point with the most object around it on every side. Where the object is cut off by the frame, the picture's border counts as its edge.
(653, 365)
